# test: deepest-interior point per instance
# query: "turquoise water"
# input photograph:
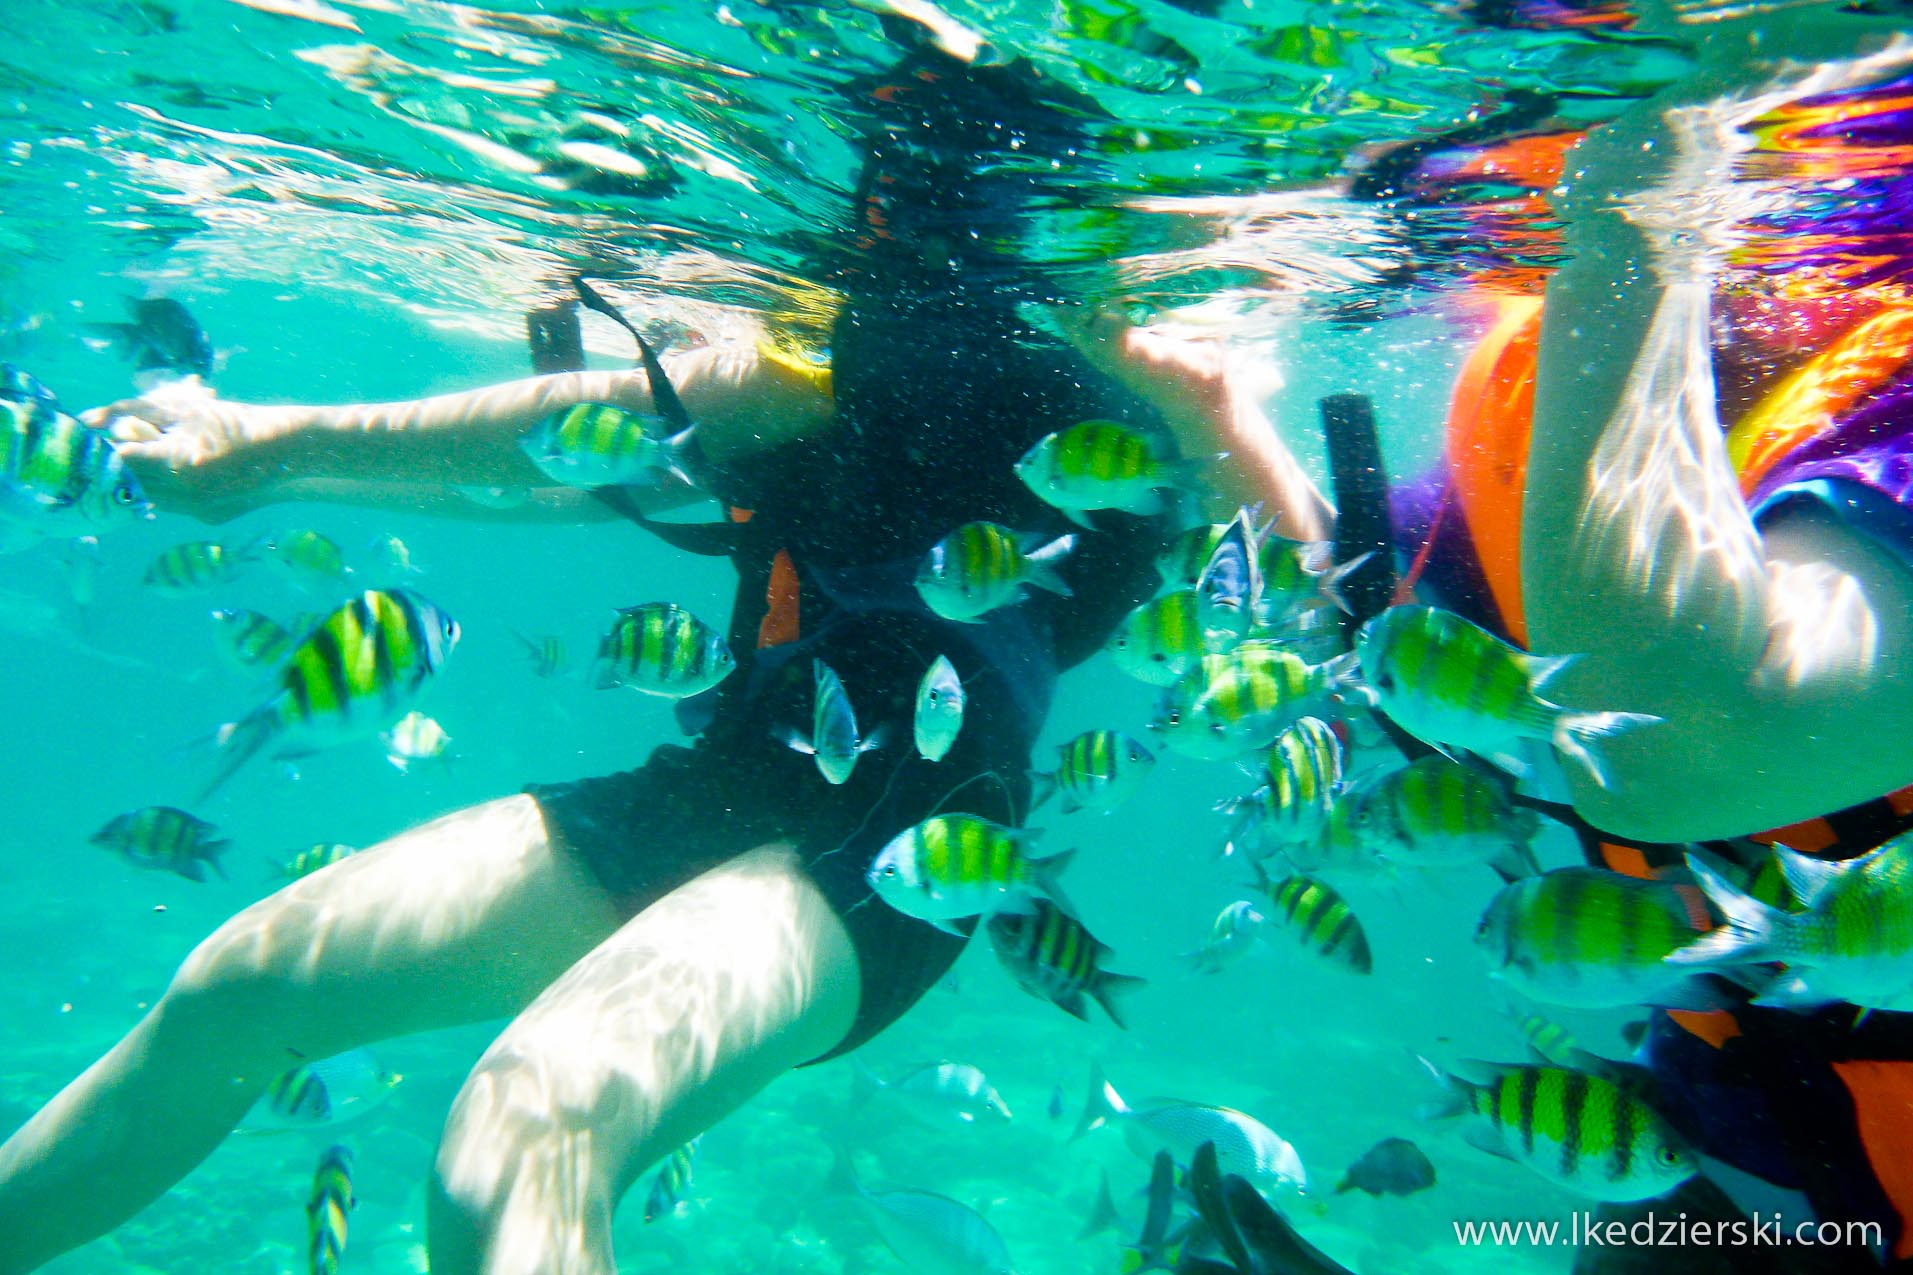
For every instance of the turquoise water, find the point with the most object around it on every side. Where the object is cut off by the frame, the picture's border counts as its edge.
(359, 200)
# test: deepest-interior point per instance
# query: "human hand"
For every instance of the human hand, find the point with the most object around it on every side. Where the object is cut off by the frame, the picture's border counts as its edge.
(191, 453)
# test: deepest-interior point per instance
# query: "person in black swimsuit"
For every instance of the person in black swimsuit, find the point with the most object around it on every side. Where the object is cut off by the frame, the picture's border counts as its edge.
(670, 939)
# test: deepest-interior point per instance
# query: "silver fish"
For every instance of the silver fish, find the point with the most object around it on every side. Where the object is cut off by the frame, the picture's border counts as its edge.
(939, 715)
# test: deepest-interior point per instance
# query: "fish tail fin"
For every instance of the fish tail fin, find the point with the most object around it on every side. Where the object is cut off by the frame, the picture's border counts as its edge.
(1109, 989)
(1575, 731)
(236, 743)
(1451, 1093)
(1102, 1105)
(1335, 575)
(1044, 874)
(679, 454)
(1752, 929)
(865, 1084)
(1102, 1217)
(212, 851)
(843, 1173)
(1043, 562)
(1042, 787)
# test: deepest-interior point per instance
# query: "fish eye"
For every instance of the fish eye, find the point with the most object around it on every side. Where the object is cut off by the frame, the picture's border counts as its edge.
(1669, 1157)
(122, 495)
(1217, 727)
(1160, 657)
(448, 626)
(1122, 642)
(1175, 717)
(889, 870)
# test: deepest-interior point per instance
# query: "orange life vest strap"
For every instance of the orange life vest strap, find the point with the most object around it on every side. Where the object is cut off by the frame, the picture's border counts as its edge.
(1882, 1094)
(781, 596)
(1488, 424)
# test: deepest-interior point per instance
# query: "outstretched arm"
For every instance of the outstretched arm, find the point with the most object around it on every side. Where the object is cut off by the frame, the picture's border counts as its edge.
(1210, 411)
(216, 459)
(1775, 659)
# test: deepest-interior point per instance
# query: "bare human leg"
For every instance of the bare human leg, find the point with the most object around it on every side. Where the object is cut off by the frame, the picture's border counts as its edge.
(464, 918)
(694, 1006)
(1773, 660)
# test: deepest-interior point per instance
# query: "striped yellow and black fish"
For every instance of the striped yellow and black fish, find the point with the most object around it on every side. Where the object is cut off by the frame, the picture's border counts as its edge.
(164, 837)
(980, 567)
(1438, 813)
(1097, 770)
(324, 1092)
(328, 1210)
(1578, 1130)
(322, 854)
(250, 640)
(1052, 955)
(1236, 703)
(600, 445)
(673, 1182)
(1594, 939)
(1161, 641)
(1446, 680)
(547, 654)
(353, 675)
(662, 649)
(194, 566)
(1547, 1040)
(1320, 920)
(953, 866)
(309, 559)
(1102, 465)
(57, 477)
(1303, 773)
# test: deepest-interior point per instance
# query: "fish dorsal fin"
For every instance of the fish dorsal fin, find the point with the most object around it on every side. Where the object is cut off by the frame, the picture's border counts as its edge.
(1807, 877)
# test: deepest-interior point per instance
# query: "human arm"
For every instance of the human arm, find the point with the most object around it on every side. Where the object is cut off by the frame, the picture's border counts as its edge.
(1773, 654)
(1209, 409)
(216, 459)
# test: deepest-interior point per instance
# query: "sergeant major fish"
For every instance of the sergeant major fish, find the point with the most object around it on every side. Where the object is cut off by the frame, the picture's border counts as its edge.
(1447, 681)
(980, 567)
(673, 1181)
(164, 837)
(248, 639)
(1318, 919)
(833, 742)
(195, 565)
(1050, 954)
(328, 1091)
(1236, 703)
(358, 671)
(1595, 939)
(602, 445)
(1577, 1130)
(328, 1211)
(1303, 768)
(1850, 941)
(415, 738)
(1435, 813)
(662, 649)
(939, 709)
(1229, 590)
(953, 866)
(1160, 641)
(1102, 465)
(59, 478)
(1097, 770)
